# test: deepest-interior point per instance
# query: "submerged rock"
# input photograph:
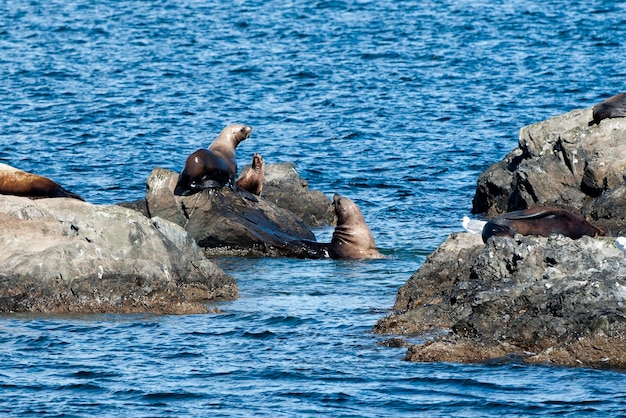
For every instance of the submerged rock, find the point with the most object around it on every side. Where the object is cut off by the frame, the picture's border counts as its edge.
(538, 300)
(222, 221)
(64, 255)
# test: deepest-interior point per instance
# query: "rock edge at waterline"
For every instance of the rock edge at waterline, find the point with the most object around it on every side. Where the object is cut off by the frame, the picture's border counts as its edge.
(540, 300)
(63, 255)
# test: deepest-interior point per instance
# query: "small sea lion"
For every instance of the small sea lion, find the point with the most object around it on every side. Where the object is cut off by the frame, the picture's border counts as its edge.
(613, 107)
(215, 167)
(21, 183)
(352, 238)
(540, 220)
(252, 180)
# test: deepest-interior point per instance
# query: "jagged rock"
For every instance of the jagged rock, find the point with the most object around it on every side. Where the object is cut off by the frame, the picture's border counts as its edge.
(559, 162)
(539, 300)
(138, 205)
(609, 211)
(223, 221)
(286, 189)
(64, 255)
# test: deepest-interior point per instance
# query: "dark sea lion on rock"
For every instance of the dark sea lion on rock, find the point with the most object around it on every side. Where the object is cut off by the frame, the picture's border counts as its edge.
(215, 167)
(613, 107)
(542, 221)
(352, 238)
(252, 181)
(21, 183)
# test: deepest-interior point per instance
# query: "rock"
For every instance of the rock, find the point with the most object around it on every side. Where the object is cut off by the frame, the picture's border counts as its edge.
(286, 189)
(139, 205)
(559, 162)
(222, 221)
(538, 300)
(609, 211)
(64, 255)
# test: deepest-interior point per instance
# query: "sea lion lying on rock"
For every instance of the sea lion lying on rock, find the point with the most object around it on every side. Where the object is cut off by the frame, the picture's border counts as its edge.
(21, 183)
(215, 167)
(613, 107)
(352, 238)
(540, 220)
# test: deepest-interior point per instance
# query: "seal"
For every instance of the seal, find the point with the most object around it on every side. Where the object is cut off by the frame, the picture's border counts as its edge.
(215, 167)
(252, 180)
(540, 220)
(21, 183)
(352, 238)
(613, 107)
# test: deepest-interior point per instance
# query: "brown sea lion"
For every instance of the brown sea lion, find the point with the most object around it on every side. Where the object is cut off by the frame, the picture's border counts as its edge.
(352, 238)
(21, 183)
(252, 181)
(215, 167)
(613, 107)
(539, 220)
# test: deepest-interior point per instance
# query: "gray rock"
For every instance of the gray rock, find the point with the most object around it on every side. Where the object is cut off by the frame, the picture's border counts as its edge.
(609, 211)
(543, 300)
(64, 255)
(224, 222)
(559, 162)
(283, 186)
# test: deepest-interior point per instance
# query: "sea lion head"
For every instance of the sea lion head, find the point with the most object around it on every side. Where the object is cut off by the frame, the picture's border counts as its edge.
(257, 162)
(231, 136)
(347, 211)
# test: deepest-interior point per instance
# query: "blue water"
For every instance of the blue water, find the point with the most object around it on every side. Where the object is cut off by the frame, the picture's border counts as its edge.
(399, 105)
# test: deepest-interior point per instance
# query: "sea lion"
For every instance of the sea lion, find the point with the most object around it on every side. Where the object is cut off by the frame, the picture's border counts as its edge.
(352, 238)
(540, 220)
(21, 183)
(215, 167)
(613, 107)
(252, 181)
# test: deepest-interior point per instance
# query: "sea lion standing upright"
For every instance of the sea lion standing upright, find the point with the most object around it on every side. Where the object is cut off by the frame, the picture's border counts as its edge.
(252, 180)
(352, 238)
(540, 220)
(21, 183)
(613, 107)
(215, 167)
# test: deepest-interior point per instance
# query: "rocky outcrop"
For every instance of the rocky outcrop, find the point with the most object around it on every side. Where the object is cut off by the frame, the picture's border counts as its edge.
(540, 300)
(560, 162)
(222, 221)
(283, 186)
(64, 255)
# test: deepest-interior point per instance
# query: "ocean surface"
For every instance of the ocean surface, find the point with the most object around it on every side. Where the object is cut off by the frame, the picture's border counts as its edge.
(399, 105)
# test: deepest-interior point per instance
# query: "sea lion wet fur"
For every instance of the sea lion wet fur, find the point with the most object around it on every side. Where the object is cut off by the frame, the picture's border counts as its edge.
(215, 167)
(21, 183)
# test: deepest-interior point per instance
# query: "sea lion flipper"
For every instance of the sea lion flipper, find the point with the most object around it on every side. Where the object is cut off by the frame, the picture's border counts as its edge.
(530, 214)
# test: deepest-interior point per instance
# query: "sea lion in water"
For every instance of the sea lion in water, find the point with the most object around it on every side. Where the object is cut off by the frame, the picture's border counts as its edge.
(21, 183)
(352, 237)
(613, 107)
(539, 220)
(252, 181)
(215, 167)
